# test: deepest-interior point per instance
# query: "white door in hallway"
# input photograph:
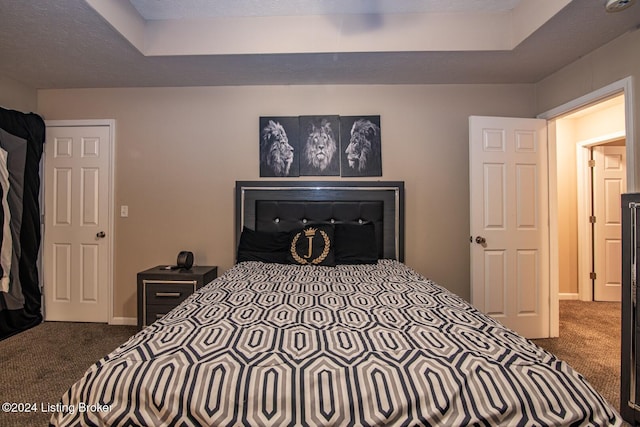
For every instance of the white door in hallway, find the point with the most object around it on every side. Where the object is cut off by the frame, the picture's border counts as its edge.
(77, 236)
(609, 182)
(509, 222)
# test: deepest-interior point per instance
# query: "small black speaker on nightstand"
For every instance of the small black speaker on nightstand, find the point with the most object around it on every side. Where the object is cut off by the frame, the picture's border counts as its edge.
(185, 260)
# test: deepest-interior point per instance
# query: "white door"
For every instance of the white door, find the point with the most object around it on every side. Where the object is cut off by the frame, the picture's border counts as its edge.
(509, 222)
(77, 231)
(609, 182)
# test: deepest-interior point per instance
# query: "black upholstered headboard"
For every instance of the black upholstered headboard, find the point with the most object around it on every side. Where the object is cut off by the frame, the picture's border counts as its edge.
(284, 206)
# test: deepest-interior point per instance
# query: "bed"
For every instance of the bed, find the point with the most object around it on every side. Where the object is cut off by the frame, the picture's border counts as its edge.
(293, 335)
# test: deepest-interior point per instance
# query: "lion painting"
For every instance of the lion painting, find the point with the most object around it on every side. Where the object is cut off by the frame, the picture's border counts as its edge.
(276, 154)
(318, 157)
(363, 154)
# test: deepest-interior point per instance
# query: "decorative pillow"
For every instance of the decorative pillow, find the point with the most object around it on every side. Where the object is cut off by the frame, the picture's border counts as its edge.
(312, 245)
(263, 246)
(355, 243)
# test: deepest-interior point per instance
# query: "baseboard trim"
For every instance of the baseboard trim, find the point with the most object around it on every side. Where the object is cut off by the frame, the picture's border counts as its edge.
(130, 321)
(572, 296)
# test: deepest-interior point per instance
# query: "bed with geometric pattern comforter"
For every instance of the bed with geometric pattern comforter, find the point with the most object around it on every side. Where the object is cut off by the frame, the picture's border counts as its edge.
(351, 345)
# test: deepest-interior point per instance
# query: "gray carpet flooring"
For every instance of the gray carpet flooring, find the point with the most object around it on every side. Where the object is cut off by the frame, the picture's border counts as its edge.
(40, 364)
(590, 342)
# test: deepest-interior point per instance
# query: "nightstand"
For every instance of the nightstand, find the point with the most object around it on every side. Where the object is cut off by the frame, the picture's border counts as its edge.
(161, 290)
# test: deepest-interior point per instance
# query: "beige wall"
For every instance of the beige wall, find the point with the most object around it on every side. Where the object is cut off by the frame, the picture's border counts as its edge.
(570, 131)
(616, 60)
(17, 96)
(179, 152)
(567, 207)
(601, 123)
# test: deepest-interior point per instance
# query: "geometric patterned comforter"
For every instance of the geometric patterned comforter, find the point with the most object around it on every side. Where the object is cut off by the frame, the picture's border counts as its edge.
(359, 345)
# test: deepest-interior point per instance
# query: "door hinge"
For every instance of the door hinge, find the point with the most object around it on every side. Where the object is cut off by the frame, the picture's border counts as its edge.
(592, 219)
(593, 275)
(592, 163)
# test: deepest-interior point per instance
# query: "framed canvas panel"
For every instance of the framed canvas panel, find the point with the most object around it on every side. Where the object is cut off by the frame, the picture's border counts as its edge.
(279, 146)
(320, 145)
(360, 146)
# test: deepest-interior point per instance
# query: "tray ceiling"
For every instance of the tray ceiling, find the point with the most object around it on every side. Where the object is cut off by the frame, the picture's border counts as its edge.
(140, 43)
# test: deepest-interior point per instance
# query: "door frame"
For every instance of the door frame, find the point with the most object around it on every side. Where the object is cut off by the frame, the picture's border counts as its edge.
(111, 124)
(624, 86)
(585, 232)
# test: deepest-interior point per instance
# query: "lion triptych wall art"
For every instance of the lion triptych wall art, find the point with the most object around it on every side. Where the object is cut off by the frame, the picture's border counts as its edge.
(331, 145)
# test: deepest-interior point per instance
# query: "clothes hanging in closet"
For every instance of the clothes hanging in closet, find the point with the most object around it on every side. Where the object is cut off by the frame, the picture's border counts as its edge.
(22, 137)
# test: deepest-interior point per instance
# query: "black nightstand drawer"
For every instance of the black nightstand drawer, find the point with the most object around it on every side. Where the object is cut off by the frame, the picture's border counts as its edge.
(168, 293)
(160, 290)
(155, 312)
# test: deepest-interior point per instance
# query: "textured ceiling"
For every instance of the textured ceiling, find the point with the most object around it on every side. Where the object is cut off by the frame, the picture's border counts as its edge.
(67, 44)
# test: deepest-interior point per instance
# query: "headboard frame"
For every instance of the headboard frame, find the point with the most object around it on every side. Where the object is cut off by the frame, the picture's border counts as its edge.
(289, 205)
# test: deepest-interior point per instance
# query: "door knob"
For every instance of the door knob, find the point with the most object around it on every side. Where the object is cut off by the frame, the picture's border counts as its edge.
(100, 234)
(481, 240)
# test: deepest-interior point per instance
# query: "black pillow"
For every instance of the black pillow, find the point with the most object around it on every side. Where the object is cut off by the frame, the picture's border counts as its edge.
(263, 246)
(312, 245)
(355, 243)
